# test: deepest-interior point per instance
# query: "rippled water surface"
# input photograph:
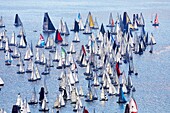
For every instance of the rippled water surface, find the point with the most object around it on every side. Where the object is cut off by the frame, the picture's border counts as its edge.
(152, 84)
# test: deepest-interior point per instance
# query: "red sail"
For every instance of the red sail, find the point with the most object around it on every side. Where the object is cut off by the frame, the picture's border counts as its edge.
(156, 19)
(117, 69)
(83, 49)
(58, 37)
(85, 110)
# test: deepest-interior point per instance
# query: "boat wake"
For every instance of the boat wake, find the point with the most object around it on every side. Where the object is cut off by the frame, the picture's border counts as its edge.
(163, 50)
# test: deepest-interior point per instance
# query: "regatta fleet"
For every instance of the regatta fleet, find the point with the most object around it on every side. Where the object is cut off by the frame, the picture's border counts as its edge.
(97, 63)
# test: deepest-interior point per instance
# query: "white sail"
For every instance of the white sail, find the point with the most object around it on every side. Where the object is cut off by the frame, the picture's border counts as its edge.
(1, 22)
(96, 26)
(37, 56)
(1, 82)
(19, 100)
(37, 73)
(71, 78)
(133, 106)
(22, 42)
(112, 89)
(13, 40)
(61, 100)
(75, 77)
(87, 29)
(152, 39)
(56, 56)
(30, 65)
(81, 26)
(81, 93)
(73, 96)
(76, 37)
(7, 45)
(102, 95)
(57, 103)
(96, 81)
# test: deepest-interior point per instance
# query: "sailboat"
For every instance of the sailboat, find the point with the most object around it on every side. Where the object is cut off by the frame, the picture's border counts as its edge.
(111, 21)
(156, 22)
(90, 20)
(75, 27)
(8, 58)
(152, 40)
(121, 95)
(89, 96)
(25, 107)
(46, 70)
(66, 30)
(47, 24)
(72, 49)
(44, 106)
(33, 99)
(58, 37)
(151, 49)
(1, 23)
(17, 21)
(21, 68)
(103, 96)
(41, 42)
(80, 22)
(30, 66)
(23, 42)
(133, 106)
(96, 26)
(1, 46)
(141, 21)
(87, 29)
(28, 54)
(48, 44)
(76, 38)
(21, 32)
(13, 40)
(1, 82)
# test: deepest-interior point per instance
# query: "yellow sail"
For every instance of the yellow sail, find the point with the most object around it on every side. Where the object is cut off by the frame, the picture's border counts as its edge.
(128, 19)
(91, 22)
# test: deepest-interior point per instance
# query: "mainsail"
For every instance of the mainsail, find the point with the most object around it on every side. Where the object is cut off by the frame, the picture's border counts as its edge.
(47, 24)
(17, 21)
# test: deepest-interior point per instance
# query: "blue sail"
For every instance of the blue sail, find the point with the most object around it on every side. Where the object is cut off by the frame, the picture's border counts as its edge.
(122, 98)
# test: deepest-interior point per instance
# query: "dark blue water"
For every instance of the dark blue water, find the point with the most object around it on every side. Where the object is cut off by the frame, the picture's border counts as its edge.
(152, 84)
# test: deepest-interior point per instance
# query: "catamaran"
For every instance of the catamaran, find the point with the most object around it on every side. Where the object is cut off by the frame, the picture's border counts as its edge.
(47, 24)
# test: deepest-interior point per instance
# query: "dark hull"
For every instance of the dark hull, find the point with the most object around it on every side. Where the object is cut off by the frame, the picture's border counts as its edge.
(155, 24)
(75, 41)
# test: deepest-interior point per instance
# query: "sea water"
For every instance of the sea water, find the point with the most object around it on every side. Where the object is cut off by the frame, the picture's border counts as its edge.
(152, 83)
